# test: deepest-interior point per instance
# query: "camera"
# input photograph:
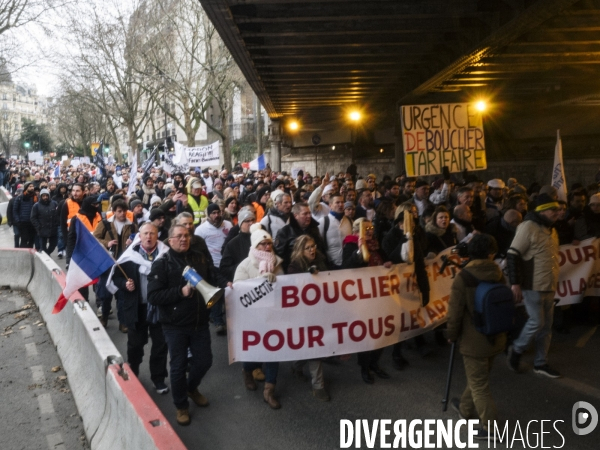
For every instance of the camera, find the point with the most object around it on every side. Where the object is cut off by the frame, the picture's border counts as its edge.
(313, 270)
(461, 250)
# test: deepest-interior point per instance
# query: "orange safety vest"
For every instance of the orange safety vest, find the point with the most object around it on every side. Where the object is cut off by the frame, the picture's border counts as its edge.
(74, 208)
(260, 211)
(90, 226)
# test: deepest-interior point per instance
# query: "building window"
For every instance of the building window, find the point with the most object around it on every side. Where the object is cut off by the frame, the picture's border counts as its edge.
(4, 96)
(16, 127)
(4, 106)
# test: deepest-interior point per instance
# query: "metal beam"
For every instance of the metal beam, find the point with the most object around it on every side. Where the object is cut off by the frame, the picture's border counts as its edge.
(532, 17)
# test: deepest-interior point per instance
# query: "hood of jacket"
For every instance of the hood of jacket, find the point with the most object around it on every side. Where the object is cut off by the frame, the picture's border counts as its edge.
(485, 270)
(430, 227)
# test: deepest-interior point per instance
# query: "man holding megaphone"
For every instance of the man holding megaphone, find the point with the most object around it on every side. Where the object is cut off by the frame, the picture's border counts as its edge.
(183, 313)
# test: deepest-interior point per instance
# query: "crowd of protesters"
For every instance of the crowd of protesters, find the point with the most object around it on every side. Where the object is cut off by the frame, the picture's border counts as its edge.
(242, 225)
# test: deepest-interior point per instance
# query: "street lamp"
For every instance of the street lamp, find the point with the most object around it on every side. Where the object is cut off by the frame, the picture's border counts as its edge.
(355, 117)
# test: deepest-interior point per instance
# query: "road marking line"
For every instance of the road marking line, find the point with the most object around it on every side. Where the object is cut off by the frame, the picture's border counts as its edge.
(31, 350)
(55, 441)
(27, 332)
(45, 402)
(582, 388)
(37, 373)
(585, 338)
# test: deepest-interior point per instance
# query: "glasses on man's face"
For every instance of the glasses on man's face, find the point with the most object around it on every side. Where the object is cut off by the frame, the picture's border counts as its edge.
(181, 237)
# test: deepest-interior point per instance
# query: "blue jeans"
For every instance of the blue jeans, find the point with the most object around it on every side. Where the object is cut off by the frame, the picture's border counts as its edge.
(61, 241)
(178, 341)
(540, 308)
(271, 370)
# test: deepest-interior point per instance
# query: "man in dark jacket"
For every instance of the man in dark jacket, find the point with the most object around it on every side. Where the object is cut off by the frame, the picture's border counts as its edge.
(184, 318)
(136, 262)
(503, 228)
(22, 215)
(44, 217)
(238, 249)
(10, 217)
(477, 349)
(301, 222)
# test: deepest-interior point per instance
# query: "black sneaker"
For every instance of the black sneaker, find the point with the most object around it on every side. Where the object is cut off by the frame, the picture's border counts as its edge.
(547, 371)
(513, 359)
(161, 387)
(455, 405)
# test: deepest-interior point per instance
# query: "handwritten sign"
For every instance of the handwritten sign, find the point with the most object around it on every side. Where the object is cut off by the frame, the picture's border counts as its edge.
(448, 134)
(206, 156)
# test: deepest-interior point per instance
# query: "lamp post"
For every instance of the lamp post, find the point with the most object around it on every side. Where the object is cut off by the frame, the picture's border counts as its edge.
(355, 117)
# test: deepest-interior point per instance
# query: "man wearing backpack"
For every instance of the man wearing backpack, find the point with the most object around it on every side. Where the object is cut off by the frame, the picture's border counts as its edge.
(477, 349)
(532, 261)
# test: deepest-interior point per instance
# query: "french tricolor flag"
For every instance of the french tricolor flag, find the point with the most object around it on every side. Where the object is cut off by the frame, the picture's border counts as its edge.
(89, 260)
(259, 163)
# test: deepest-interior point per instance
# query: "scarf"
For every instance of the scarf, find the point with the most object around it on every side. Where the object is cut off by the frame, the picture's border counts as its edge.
(266, 260)
(148, 193)
(338, 216)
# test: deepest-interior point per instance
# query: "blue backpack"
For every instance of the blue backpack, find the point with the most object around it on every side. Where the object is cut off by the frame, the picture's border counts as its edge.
(494, 305)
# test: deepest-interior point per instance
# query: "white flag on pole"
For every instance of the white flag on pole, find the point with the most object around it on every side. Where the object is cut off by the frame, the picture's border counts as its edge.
(132, 176)
(558, 171)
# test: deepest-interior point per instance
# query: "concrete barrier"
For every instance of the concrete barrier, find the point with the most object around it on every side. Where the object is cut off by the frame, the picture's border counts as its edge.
(3, 208)
(4, 195)
(4, 199)
(117, 412)
(16, 267)
(139, 411)
(76, 331)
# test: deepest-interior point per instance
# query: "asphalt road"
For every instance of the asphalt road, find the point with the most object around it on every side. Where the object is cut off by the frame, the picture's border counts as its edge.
(36, 406)
(239, 419)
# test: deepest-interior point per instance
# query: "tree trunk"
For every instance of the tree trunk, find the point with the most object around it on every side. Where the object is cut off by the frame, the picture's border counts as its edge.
(133, 144)
(118, 154)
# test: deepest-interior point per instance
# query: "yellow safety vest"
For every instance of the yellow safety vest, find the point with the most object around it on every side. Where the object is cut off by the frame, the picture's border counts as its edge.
(199, 210)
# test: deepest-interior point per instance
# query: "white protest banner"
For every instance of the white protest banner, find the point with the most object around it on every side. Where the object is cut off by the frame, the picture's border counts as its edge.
(207, 156)
(435, 136)
(579, 274)
(32, 156)
(307, 316)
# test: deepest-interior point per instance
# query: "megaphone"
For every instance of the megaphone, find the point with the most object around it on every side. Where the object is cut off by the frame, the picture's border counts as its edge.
(210, 293)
